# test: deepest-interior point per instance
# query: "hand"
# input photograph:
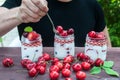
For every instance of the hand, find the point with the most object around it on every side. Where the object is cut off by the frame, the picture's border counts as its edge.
(32, 10)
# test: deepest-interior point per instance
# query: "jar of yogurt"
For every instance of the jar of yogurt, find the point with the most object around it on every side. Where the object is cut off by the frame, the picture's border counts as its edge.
(31, 46)
(96, 47)
(63, 46)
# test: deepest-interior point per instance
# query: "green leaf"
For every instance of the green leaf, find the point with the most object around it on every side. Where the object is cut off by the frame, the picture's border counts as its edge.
(28, 29)
(111, 72)
(1, 39)
(108, 64)
(95, 70)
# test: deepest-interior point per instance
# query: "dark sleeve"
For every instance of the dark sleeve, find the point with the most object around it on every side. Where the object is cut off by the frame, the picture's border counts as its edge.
(11, 3)
(99, 16)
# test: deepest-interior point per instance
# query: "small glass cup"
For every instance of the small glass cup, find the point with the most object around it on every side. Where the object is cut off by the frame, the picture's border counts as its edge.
(96, 48)
(63, 46)
(31, 49)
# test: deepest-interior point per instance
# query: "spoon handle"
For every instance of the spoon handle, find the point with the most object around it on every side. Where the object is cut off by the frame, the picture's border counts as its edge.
(51, 21)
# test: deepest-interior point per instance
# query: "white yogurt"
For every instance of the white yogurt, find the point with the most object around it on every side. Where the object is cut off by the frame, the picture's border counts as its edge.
(96, 48)
(64, 46)
(31, 50)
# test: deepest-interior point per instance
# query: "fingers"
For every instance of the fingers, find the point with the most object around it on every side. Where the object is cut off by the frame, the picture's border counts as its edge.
(33, 10)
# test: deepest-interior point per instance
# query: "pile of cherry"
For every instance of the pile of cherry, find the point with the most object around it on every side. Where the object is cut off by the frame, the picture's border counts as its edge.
(79, 65)
(63, 32)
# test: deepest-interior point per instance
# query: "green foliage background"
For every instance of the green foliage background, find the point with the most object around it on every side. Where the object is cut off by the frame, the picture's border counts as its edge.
(112, 14)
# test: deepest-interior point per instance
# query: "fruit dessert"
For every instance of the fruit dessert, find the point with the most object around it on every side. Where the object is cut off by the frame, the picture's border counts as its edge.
(31, 46)
(96, 45)
(64, 42)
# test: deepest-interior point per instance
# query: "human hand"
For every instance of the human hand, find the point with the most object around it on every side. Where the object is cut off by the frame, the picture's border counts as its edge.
(32, 10)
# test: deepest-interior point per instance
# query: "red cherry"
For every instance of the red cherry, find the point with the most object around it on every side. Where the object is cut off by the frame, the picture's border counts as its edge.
(66, 66)
(85, 65)
(86, 57)
(41, 58)
(25, 34)
(41, 63)
(32, 72)
(54, 68)
(59, 29)
(100, 35)
(77, 67)
(81, 56)
(54, 75)
(80, 75)
(59, 64)
(24, 62)
(54, 60)
(70, 31)
(32, 36)
(46, 56)
(66, 72)
(68, 59)
(30, 66)
(41, 70)
(68, 78)
(7, 62)
(64, 33)
(90, 61)
(99, 62)
(92, 34)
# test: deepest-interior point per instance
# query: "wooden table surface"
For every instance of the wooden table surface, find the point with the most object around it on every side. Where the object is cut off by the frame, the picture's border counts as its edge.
(18, 73)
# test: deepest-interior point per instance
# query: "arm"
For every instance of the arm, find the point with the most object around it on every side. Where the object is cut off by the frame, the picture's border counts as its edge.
(107, 36)
(29, 11)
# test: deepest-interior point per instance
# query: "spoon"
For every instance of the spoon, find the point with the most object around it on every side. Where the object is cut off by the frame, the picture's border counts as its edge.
(51, 21)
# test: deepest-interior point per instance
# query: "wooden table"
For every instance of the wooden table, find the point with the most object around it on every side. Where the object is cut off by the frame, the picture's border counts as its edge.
(18, 73)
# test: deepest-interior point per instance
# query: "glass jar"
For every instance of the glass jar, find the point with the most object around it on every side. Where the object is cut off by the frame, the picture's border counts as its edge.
(31, 49)
(63, 46)
(96, 48)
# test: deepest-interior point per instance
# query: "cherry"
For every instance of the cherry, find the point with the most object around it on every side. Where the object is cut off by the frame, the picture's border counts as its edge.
(54, 60)
(81, 56)
(66, 66)
(54, 68)
(64, 33)
(24, 62)
(25, 34)
(66, 72)
(54, 75)
(77, 67)
(70, 31)
(90, 61)
(80, 75)
(41, 63)
(59, 29)
(7, 62)
(86, 57)
(68, 59)
(32, 72)
(46, 56)
(100, 35)
(41, 58)
(59, 64)
(99, 62)
(30, 65)
(41, 69)
(32, 36)
(85, 65)
(68, 78)
(92, 34)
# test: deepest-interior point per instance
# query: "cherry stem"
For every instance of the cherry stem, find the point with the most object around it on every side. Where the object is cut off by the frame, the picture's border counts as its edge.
(35, 76)
(21, 70)
(34, 56)
(98, 77)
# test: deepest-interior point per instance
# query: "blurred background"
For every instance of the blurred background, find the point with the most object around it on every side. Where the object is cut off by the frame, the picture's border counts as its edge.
(111, 10)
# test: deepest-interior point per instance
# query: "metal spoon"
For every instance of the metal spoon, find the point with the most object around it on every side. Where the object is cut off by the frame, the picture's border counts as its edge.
(51, 21)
